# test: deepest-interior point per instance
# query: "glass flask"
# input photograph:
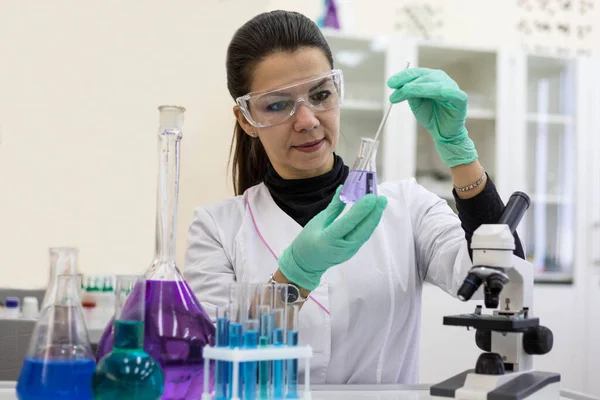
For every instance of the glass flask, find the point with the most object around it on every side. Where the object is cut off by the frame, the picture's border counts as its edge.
(362, 178)
(128, 371)
(63, 261)
(176, 326)
(60, 362)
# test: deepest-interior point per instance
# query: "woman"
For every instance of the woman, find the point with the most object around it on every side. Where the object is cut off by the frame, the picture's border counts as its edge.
(361, 272)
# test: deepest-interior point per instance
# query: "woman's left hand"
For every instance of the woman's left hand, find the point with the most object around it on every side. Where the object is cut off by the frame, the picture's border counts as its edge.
(441, 107)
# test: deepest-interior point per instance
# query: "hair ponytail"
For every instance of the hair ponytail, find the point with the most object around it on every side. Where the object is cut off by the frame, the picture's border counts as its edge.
(250, 161)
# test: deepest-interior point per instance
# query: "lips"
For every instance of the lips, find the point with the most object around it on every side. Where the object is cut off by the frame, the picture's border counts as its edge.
(310, 144)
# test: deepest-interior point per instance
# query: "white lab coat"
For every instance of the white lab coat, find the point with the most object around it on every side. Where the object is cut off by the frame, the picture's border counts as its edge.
(374, 299)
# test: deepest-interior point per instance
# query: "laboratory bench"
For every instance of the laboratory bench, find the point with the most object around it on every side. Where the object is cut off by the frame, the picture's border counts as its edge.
(346, 392)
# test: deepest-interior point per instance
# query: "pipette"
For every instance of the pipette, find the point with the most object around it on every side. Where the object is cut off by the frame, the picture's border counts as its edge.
(385, 117)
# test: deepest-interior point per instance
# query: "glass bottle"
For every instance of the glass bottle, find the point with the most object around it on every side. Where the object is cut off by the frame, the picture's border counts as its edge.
(176, 326)
(59, 362)
(63, 261)
(362, 178)
(128, 371)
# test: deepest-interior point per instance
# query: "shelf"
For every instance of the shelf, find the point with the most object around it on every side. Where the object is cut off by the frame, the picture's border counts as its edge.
(481, 113)
(362, 105)
(550, 118)
(550, 199)
(553, 277)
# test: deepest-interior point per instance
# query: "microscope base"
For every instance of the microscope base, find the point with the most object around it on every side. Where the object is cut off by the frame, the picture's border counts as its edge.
(529, 385)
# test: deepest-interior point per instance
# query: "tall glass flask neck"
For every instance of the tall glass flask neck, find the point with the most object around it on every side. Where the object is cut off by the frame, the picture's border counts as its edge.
(130, 300)
(170, 134)
(63, 261)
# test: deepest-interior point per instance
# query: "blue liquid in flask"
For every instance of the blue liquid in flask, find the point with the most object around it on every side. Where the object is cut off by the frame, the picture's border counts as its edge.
(48, 380)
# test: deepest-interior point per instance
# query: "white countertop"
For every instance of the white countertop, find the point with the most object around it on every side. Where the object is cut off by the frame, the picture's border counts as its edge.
(345, 392)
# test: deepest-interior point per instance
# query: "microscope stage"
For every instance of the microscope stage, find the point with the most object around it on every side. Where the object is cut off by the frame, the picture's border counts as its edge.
(491, 322)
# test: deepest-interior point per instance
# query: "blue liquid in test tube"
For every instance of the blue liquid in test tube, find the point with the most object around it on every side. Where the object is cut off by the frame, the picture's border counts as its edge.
(250, 367)
(292, 368)
(278, 376)
(221, 367)
(235, 340)
(264, 370)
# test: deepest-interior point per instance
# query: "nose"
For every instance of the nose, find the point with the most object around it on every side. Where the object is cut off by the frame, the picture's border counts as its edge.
(304, 118)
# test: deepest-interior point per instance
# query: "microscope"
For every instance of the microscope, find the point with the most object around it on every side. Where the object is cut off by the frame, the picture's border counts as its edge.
(511, 335)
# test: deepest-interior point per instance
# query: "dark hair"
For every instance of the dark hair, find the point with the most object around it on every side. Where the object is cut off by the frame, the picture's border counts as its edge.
(263, 35)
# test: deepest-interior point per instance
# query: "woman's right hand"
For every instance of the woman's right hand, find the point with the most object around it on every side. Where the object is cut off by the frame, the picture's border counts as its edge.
(326, 241)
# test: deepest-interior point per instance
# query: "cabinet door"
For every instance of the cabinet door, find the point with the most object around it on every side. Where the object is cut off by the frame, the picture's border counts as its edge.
(550, 167)
(590, 181)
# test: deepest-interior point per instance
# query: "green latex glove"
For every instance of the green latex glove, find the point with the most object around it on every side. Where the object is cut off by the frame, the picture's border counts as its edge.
(326, 241)
(441, 107)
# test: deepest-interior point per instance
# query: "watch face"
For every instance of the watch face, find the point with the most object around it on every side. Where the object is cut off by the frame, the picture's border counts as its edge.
(292, 294)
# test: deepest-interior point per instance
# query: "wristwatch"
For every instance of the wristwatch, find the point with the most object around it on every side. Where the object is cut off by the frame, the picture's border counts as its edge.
(293, 293)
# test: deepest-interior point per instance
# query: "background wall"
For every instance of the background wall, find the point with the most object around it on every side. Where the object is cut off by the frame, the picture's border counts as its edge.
(79, 87)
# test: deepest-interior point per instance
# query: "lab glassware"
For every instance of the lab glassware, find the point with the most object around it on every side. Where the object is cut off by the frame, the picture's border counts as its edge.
(128, 371)
(236, 336)
(279, 329)
(176, 325)
(249, 311)
(362, 178)
(63, 261)
(292, 341)
(59, 362)
(221, 367)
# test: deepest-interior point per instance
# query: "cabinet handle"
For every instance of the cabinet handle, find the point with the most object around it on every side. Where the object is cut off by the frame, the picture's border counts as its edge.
(595, 237)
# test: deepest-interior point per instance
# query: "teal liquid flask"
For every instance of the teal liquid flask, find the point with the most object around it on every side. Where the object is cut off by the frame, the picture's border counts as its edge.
(59, 363)
(128, 372)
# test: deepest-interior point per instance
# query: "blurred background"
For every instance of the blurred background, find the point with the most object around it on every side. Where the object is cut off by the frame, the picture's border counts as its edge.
(80, 83)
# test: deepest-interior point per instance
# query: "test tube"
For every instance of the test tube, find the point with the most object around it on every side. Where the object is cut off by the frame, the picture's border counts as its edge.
(264, 340)
(292, 340)
(279, 328)
(221, 367)
(251, 322)
(235, 339)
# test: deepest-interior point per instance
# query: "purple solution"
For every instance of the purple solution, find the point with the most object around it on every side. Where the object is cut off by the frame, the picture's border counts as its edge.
(357, 184)
(176, 330)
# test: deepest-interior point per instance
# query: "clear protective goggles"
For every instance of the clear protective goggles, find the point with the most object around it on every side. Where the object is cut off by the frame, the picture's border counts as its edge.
(267, 108)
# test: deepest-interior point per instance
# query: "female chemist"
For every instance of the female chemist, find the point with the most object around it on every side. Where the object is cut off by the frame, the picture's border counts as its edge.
(359, 274)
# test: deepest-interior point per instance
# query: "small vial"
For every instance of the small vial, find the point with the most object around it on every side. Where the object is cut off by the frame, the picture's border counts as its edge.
(11, 308)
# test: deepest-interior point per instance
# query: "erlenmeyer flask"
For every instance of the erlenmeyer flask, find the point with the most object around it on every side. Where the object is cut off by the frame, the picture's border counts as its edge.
(362, 178)
(59, 363)
(176, 326)
(128, 371)
(63, 261)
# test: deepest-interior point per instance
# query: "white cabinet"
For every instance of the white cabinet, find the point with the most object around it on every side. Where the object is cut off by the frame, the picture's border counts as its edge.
(522, 117)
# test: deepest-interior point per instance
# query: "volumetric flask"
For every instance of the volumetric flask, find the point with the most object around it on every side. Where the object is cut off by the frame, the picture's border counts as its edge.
(362, 178)
(128, 372)
(59, 363)
(176, 326)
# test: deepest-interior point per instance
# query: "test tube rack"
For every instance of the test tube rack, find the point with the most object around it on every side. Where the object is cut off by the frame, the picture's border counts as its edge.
(239, 355)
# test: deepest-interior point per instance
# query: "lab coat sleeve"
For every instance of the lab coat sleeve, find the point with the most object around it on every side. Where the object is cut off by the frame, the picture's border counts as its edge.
(208, 270)
(440, 244)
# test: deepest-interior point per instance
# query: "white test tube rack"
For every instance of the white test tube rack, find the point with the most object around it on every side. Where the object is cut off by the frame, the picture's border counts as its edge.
(238, 355)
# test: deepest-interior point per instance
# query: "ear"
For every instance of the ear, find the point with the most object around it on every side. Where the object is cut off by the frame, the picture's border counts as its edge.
(241, 119)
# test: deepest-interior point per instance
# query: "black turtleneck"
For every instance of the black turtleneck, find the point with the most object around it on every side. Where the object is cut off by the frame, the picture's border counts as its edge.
(302, 199)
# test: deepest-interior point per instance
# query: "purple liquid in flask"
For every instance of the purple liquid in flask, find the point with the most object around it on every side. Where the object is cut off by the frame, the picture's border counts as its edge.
(176, 326)
(362, 179)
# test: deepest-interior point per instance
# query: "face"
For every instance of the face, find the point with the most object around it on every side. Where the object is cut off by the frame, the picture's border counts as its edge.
(303, 145)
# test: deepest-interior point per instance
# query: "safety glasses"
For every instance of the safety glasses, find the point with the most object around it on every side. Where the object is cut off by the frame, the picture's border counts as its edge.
(267, 108)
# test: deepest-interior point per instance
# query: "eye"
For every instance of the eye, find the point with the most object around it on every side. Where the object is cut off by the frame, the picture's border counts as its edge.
(321, 96)
(277, 106)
